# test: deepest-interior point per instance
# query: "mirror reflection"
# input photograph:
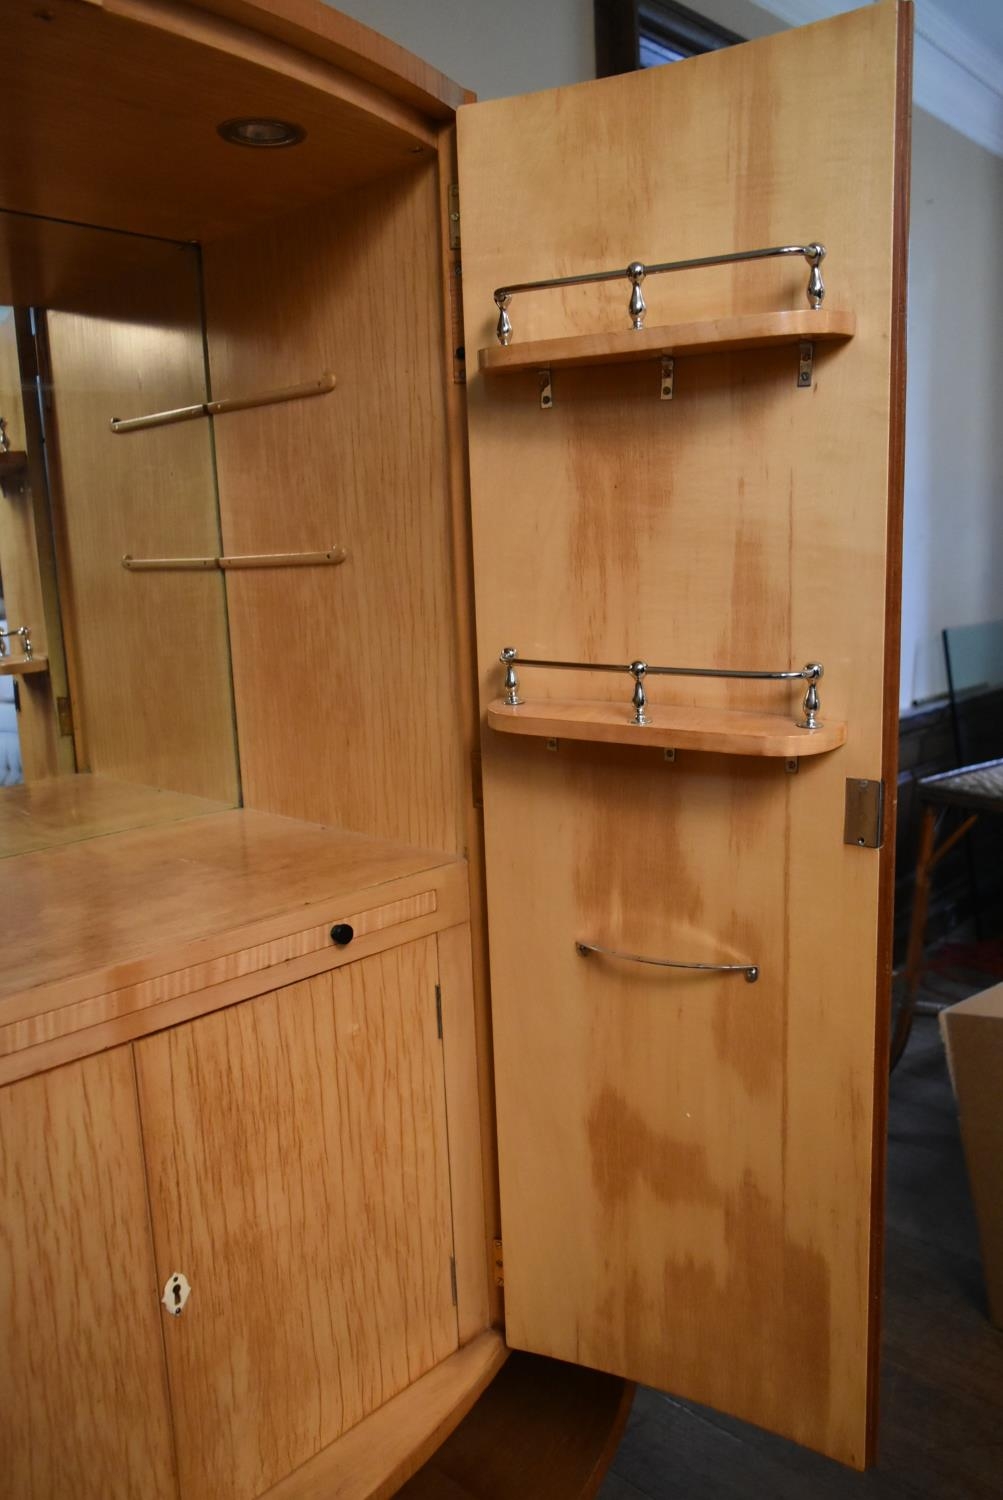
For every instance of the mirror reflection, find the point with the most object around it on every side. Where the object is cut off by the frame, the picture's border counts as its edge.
(115, 696)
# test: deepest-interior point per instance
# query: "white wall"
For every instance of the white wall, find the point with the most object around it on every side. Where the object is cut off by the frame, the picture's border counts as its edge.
(953, 562)
(495, 47)
(952, 565)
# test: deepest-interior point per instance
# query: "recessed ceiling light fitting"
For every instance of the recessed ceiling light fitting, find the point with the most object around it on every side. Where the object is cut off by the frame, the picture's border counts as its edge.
(254, 131)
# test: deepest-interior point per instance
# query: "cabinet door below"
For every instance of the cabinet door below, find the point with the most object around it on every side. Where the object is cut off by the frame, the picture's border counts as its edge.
(296, 1149)
(82, 1386)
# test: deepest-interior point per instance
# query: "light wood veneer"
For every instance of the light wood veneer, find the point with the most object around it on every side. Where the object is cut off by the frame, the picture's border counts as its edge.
(723, 335)
(122, 935)
(82, 1382)
(358, 724)
(67, 809)
(297, 1158)
(148, 652)
(710, 1179)
(372, 1460)
(23, 666)
(722, 731)
(84, 115)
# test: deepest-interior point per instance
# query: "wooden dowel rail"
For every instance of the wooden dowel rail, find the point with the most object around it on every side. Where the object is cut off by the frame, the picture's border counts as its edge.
(319, 387)
(813, 252)
(811, 673)
(331, 557)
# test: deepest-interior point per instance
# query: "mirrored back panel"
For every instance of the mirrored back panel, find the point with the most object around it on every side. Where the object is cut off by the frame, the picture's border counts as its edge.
(116, 703)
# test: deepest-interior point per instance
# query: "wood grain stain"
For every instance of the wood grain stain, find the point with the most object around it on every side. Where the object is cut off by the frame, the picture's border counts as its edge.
(692, 1305)
(626, 1153)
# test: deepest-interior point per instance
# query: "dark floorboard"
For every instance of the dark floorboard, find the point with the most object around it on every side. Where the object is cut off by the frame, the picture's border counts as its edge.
(941, 1435)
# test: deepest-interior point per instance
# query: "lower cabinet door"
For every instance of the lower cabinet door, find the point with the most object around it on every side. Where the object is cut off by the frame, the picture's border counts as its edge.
(82, 1383)
(297, 1161)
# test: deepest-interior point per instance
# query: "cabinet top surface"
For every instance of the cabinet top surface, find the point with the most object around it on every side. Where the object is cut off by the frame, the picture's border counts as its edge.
(128, 897)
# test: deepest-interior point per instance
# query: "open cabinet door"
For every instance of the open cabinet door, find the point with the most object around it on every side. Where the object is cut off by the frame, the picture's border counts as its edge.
(692, 1163)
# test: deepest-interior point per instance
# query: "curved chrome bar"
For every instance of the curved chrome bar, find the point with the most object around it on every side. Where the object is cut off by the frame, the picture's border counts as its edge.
(751, 971)
(813, 252)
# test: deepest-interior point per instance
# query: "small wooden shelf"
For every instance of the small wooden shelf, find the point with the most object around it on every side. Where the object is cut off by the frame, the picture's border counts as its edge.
(748, 331)
(23, 666)
(723, 731)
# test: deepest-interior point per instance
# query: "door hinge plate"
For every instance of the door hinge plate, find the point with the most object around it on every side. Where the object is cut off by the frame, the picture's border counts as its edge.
(458, 352)
(863, 824)
(452, 1277)
(453, 215)
(476, 778)
(498, 1258)
(438, 1010)
(64, 717)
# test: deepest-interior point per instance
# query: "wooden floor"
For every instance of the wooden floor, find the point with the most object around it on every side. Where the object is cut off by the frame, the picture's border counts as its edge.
(942, 1387)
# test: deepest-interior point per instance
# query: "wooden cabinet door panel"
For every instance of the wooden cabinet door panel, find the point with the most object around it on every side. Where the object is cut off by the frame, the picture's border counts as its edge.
(296, 1147)
(691, 1166)
(83, 1388)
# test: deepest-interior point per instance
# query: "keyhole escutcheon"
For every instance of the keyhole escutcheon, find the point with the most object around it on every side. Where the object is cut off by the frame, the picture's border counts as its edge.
(176, 1293)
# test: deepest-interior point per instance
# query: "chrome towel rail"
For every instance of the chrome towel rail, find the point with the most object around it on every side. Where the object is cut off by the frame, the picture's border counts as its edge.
(219, 408)
(814, 253)
(751, 971)
(811, 673)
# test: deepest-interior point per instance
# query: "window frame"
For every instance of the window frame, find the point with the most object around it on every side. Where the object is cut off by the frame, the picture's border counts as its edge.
(620, 25)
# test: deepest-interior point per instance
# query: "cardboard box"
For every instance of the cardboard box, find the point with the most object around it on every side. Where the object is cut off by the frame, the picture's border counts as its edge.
(973, 1038)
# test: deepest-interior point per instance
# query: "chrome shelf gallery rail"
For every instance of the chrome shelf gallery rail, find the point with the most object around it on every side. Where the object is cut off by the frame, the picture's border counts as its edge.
(751, 971)
(21, 633)
(810, 673)
(814, 253)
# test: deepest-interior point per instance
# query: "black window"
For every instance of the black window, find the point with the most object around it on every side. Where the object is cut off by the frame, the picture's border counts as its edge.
(634, 34)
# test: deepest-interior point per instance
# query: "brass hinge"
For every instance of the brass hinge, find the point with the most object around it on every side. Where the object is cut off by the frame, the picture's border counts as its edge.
(453, 215)
(476, 777)
(64, 717)
(457, 348)
(452, 1277)
(438, 1010)
(499, 1262)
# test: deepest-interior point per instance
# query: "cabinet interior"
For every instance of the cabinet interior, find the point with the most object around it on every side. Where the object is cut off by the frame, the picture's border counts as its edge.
(246, 985)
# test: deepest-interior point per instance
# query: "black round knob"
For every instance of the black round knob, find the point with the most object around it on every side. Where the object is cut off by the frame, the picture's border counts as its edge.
(342, 933)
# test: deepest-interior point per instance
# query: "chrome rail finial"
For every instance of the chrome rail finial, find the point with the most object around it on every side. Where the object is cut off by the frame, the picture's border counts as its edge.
(508, 657)
(811, 707)
(504, 329)
(636, 307)
(639, 700)
(815, 254)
